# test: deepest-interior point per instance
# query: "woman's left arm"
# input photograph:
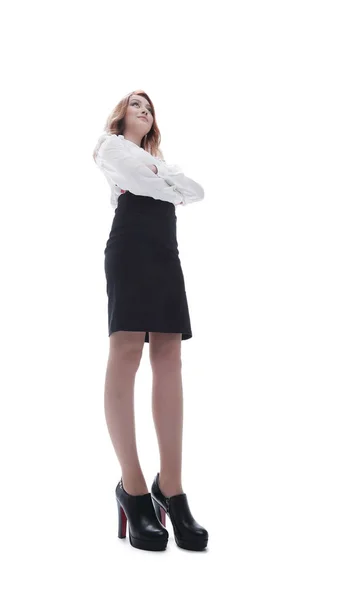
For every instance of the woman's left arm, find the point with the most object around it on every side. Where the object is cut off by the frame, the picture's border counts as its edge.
(173, 175)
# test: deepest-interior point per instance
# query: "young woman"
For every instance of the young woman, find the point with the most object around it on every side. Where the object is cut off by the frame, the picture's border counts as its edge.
(146, 303)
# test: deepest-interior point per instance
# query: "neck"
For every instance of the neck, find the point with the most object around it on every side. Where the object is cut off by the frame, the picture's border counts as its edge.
(133, 137)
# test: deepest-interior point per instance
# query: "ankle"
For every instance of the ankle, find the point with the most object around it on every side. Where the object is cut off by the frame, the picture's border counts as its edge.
(169, 487)
(135, 486)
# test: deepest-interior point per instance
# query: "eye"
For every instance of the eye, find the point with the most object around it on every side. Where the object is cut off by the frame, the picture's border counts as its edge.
(136, 102)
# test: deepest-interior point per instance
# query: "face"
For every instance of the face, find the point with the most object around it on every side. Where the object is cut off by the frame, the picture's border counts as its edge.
(139, 115)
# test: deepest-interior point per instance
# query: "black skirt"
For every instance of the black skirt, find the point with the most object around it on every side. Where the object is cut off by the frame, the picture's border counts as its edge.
(145, 283)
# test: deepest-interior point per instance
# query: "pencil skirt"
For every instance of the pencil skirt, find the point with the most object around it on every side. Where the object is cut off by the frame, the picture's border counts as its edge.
(145, 282)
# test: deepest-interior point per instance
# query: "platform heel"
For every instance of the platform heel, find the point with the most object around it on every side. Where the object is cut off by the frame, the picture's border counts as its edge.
(122, 522)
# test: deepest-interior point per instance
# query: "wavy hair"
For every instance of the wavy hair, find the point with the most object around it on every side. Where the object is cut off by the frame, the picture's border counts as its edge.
(116, 124)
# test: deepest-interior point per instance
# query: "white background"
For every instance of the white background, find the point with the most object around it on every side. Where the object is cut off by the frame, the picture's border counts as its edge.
(260, 102)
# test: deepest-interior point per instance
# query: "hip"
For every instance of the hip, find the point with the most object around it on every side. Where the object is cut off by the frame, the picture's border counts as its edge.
(143, 219)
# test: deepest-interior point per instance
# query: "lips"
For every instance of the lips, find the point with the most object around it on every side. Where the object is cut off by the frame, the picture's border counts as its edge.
(143, 118)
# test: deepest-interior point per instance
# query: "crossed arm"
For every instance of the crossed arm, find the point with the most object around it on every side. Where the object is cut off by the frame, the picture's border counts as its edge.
(165, 182)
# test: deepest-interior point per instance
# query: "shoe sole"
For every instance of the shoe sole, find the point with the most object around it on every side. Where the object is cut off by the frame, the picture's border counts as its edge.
(201, 545)
(146, 544)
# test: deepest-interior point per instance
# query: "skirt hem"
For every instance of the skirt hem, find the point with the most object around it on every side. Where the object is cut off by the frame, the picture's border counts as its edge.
(185, 335)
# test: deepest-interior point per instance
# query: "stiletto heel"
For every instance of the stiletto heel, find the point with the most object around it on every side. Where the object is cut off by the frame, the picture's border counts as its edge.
(144, 529)
(122, 522)
(188, 533)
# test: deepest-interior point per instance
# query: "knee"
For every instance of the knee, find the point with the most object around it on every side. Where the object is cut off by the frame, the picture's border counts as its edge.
(126, 359)
(165, 360)
(126, 351)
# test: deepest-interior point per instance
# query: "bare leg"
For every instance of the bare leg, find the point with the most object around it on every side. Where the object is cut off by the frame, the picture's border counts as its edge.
(167, 407)
(125, 353)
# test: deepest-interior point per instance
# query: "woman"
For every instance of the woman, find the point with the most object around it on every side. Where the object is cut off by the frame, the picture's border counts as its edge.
(146, 303)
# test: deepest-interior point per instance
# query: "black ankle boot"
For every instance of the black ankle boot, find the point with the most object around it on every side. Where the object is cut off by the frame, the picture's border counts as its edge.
(144, 530)
(188, 533)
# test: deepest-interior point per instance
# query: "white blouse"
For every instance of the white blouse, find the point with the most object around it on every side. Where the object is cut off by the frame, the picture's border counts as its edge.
(124, 165)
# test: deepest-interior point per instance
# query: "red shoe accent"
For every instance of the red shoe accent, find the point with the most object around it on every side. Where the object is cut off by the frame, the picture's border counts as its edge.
(163, 516)
(122, 522)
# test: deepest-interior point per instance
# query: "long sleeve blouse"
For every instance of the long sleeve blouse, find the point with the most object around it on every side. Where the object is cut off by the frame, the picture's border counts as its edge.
(123, 163)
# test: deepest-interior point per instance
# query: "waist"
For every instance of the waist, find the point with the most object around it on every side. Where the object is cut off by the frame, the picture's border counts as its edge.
(129, 202)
